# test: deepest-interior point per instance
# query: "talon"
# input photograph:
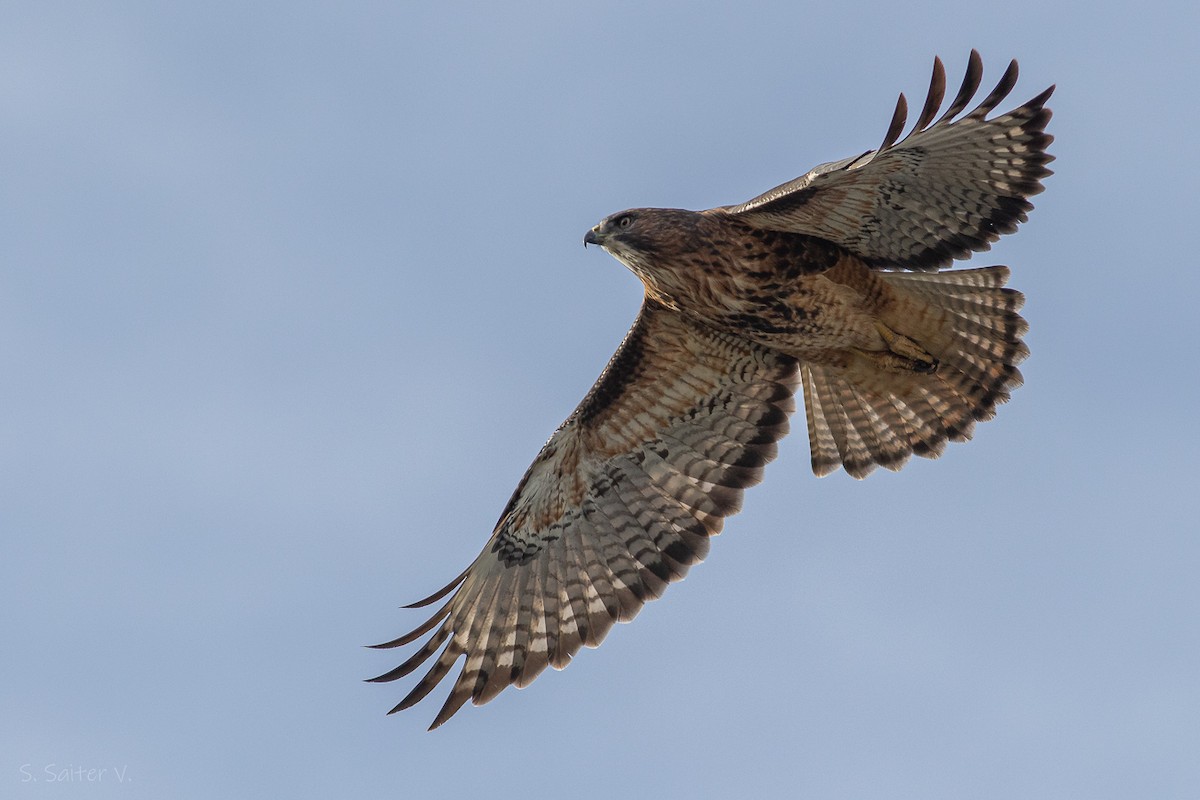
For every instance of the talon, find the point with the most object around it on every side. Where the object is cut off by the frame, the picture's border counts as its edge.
(925, 367)
(907, 348)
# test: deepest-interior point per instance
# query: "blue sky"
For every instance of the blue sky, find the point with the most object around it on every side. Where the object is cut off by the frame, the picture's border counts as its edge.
(292, 293)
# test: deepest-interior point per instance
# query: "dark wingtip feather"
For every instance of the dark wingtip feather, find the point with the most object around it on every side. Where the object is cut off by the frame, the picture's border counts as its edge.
(440, 593)
(417, 659)
(454, 702)
(1041, 99)
(933, 100)
(970, 85)
(432, 678)
(1007, 81)
(412, 636)
(899, 117)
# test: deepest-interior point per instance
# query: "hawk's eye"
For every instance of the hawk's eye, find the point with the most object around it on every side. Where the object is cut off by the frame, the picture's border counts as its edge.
(624, 221)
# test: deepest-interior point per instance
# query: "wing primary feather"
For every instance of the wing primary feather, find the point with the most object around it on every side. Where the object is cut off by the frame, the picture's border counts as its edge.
(933, 100)
(417, 659)
(418, 633)
(460, 695)
(899, 117)
(432, 678)
(440, 593)
(970, 85)
(1007, 81)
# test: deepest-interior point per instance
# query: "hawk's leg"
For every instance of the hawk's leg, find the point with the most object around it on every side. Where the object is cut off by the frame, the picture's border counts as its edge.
(904, 355)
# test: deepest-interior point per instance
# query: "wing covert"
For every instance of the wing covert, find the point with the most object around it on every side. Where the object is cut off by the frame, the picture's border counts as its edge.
(620, 502)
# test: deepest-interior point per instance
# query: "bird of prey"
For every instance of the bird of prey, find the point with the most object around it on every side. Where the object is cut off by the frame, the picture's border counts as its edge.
(830, 282)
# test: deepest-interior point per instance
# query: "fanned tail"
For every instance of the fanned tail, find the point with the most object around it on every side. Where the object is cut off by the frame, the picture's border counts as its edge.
(861, 416)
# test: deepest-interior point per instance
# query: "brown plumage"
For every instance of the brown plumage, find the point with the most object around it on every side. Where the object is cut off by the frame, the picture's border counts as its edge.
(805, 285)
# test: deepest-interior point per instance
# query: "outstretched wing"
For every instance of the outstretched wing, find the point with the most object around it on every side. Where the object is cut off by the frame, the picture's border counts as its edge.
(619, 503)
(943, 191)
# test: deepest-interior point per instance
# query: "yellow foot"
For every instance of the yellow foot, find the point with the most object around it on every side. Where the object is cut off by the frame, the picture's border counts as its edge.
(906, 355)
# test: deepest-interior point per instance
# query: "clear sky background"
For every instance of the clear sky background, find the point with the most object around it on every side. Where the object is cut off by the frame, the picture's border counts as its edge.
(292, 293)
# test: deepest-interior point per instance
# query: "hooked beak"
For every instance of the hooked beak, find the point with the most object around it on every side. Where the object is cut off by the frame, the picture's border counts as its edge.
(592, 237)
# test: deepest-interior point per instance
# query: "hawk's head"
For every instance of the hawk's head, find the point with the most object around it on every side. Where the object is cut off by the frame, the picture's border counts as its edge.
(659, 245)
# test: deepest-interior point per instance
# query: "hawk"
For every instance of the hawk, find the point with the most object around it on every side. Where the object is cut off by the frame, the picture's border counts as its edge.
(829, 282)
